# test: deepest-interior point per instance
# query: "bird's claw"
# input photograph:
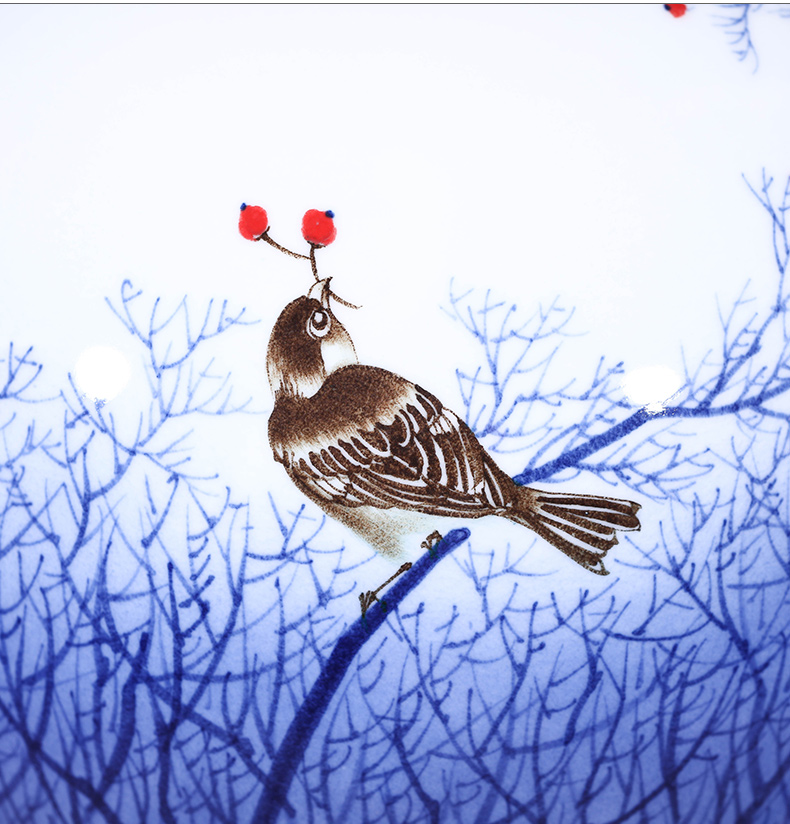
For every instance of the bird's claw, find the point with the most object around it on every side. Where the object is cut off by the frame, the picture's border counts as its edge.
(431, 542)
(366, 599)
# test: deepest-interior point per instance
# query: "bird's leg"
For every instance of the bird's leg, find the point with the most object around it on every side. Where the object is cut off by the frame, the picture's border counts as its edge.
(366, 599)
(431, 542)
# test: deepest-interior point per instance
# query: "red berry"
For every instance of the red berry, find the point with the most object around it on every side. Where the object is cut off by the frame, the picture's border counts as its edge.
(318, 227)
(253, 221)
(676, 9)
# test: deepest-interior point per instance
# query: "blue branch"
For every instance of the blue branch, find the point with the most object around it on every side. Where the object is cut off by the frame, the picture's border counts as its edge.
(315, 704)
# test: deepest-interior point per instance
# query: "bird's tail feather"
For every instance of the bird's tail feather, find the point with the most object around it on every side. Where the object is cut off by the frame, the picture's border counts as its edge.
(584, 527)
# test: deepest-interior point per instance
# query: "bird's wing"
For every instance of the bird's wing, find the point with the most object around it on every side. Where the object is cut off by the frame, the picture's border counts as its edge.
(369, 437)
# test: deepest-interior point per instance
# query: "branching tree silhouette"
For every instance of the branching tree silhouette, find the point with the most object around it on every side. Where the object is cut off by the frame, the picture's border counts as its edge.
(161, 659)
(736, 21)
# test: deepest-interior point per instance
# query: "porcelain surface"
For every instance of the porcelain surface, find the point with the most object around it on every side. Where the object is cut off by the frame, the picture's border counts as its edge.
(564, 232)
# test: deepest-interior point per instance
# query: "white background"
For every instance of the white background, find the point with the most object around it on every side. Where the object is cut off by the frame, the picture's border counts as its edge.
(591, 152)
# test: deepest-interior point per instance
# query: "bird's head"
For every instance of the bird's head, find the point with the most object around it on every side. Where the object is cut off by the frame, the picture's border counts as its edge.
(307, 344)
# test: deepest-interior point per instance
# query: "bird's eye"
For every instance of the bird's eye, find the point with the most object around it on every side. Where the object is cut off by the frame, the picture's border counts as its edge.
(319, 323)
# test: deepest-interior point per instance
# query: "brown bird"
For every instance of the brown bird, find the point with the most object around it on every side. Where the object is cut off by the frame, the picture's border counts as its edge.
(387, 459)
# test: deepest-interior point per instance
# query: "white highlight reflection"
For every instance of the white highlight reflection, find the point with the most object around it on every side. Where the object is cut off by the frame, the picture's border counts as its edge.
(652, 386)
(102, 372)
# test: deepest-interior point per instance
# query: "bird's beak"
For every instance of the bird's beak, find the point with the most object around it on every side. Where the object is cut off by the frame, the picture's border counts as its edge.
(320, 291)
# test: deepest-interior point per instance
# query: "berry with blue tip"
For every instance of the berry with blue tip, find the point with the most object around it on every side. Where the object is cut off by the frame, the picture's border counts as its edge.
(253, 221)
(318, 228)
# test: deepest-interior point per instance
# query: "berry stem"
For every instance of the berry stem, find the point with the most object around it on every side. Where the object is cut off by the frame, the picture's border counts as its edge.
(312, 261)
(313, 264)
(265, 236)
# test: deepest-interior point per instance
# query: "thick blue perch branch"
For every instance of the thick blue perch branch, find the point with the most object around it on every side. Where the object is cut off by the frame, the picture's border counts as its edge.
(291, 751)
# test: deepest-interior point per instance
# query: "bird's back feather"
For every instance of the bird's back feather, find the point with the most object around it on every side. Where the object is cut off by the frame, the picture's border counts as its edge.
(370, 437)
